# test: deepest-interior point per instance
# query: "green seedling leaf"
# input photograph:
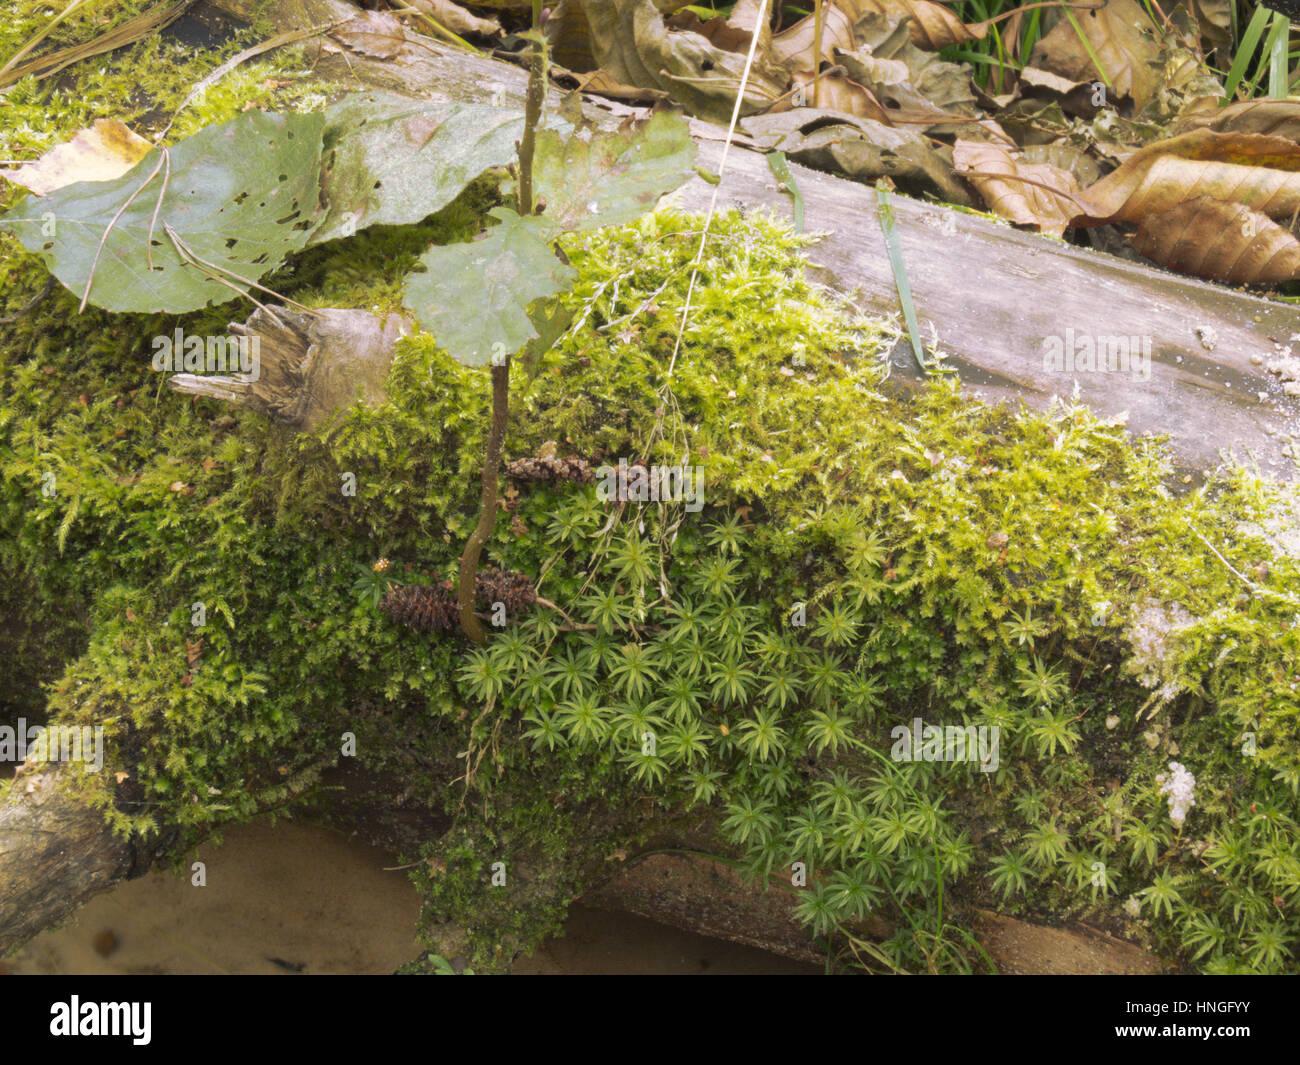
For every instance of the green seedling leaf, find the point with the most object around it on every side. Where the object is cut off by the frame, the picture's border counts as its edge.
(551, 319)
(391, 160)
(475, 298)
(592, 179)
(780, 167)
(196, 224)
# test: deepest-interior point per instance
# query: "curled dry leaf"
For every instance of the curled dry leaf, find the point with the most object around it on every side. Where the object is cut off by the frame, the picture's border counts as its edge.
(1123, 38)
(930, 80)
(455, 18)
(795, 48)
(375, 33)
(932, 26)
(1260, 172)
(1027, 193)
(859, 148)
(633, 43)
(733, 33)
(1274, 118)
(104, 151)
(1220, 241)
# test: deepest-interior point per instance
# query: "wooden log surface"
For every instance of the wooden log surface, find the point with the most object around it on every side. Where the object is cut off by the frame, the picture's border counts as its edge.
(55, 853)
(992, 295)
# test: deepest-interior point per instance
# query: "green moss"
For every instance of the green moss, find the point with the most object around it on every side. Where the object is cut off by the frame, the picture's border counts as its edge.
(955, 562)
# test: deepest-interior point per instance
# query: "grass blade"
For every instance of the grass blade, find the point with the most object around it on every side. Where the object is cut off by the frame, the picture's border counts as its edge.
(886, 211)
(1249, 40)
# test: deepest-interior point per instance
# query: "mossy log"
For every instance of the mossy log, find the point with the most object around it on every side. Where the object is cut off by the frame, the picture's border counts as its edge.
(55, 853)
(991, 295)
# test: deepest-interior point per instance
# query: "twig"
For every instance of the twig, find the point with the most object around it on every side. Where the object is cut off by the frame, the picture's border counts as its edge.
(270, 44)
(31, 304)
(94, 264)
(1257, 589)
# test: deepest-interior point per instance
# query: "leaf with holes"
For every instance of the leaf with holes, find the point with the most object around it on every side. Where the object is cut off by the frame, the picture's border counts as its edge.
(475, 298)
(391, 160)
(593, 179)
(183, 229)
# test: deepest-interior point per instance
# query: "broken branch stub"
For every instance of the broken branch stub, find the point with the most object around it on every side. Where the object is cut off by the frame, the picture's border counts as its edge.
(306, 365)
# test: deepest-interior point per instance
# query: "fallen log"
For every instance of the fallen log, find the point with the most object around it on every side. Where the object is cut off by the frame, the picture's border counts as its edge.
(1203, 391)
(56, 853)
(999, 302)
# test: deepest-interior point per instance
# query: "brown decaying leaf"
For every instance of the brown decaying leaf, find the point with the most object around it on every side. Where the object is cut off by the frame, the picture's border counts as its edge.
(631, 41)
(1276, 118)
(455, 18)
(1035, 194)
(1121, 34)
(933, 26)
(104, 151)
(1220, 241)
(375, 33)
(1248, 168)
(859, 148)
(930, 84)
(1214, 23)
(794, 47)
(733, 33)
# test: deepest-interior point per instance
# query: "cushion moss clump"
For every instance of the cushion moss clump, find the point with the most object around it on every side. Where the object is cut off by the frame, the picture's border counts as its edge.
(861, 561)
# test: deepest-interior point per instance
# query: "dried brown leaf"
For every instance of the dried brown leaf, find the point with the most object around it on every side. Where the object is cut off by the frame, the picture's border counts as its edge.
(1274, 118)
(1220, 241)
(1122, 36)
(104, 151)
(455, 18)
(1260, 172)
(374, 33)
(631, 41)
(1024, 192)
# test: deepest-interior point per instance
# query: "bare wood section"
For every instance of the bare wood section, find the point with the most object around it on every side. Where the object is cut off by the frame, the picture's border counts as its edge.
(303, 365)
(1026, 949)
(55, 853)
(693, 892)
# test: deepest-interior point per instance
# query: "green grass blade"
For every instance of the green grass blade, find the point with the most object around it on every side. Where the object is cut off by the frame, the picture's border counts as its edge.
(1278, 42)
(780, 167)
(886, 212)
(1087, 47)
(1246, 48)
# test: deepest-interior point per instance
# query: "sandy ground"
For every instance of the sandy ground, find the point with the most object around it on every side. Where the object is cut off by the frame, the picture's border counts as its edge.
(294, 898)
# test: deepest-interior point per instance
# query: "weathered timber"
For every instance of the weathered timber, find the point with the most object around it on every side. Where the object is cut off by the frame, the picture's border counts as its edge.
(55, 853)
(993, 296)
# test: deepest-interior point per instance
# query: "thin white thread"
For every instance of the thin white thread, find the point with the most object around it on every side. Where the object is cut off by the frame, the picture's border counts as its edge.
(759, 22)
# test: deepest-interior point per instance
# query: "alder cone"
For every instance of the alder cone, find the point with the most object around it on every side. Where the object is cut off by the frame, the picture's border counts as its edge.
(550, 468)
(419, 606)
(435, 609)
(513, 589)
